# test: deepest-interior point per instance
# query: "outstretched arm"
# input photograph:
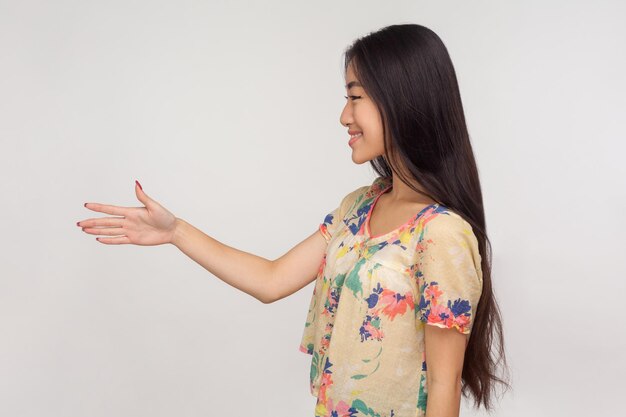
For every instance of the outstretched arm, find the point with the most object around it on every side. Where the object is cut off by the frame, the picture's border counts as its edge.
(265, 280)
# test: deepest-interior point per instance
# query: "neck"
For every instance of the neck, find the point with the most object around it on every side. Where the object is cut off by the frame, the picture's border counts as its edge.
(401, 192)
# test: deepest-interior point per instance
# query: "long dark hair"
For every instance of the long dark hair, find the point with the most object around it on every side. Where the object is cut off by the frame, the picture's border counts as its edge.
(408, 73)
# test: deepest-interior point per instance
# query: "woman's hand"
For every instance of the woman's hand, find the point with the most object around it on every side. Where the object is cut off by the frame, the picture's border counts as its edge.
(147, 226)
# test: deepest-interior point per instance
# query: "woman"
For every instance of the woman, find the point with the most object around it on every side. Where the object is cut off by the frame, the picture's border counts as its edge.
(395, 300)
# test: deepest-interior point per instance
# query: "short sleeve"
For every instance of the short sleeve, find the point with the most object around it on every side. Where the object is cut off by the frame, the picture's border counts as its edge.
(334, 219)
(449, 274)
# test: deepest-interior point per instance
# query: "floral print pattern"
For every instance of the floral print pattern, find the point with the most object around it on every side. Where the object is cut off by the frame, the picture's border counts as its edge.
(372, 297)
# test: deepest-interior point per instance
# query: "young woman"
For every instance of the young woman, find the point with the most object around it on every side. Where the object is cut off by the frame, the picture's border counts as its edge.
(402, 276)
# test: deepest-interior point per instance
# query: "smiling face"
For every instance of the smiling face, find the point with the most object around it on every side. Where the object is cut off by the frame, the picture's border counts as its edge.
(360, 115)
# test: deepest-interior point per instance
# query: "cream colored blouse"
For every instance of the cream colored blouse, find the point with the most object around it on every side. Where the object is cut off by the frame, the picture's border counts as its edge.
(372, 298)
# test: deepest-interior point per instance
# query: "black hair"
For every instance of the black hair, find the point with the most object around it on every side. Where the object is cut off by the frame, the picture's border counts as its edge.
(408, 73)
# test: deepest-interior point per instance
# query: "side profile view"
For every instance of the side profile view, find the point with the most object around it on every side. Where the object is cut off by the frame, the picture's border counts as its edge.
(402, 321)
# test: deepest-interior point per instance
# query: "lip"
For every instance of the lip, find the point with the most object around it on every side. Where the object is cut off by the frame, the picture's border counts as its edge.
(352, 140)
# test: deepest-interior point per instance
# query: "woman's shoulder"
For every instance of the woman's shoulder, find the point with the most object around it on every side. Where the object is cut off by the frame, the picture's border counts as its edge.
(445, 220)
(366, 192)
(445, 228)
(377, 186)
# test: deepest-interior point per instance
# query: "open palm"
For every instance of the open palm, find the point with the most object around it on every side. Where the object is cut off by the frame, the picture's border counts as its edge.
(147, 226)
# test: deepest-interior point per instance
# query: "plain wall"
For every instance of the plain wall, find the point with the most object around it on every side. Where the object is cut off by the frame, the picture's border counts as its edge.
(228, 115)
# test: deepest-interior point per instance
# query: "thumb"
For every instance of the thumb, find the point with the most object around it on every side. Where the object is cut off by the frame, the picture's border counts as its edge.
(141, 196)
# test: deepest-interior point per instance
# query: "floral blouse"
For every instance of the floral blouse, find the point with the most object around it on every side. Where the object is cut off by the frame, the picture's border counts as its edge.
(373, 295)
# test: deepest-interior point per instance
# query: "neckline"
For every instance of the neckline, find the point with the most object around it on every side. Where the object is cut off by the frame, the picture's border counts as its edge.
(368, 235)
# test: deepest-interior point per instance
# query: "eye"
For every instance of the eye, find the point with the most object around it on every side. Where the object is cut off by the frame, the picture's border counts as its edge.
(352, 97)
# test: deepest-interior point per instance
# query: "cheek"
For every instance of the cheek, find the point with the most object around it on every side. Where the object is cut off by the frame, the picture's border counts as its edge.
(373, 126)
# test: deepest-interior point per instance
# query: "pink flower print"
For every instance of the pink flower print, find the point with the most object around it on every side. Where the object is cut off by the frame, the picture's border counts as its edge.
(332, 300)
(325, 382)
(462, 322)
(395, 303)
(325, 342)
(422, 245)
(371, 328)
(432, 293)
(440, 314)
(343, 409)
(455, 313)
(320, 270)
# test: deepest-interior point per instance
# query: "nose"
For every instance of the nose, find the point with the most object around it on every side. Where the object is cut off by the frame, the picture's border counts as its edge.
(346, 116)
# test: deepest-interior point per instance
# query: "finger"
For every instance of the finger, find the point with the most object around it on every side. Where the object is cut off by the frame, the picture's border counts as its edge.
(120, 240)
(109, 209)
(104, 221)
(107, 231)
(142, 196)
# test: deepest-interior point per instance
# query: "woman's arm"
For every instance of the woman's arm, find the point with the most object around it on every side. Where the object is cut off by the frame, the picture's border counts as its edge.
(266, 280)
(445, 352)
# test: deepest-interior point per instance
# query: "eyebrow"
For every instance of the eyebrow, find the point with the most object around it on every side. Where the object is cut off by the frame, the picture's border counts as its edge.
(353, 84)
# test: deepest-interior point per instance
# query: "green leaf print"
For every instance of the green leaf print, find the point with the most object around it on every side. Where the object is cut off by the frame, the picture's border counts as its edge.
(353, 282)
(362, 408)
(422, 398)
(338, 281)
(314, 366)
(361, 376)
(377, 355)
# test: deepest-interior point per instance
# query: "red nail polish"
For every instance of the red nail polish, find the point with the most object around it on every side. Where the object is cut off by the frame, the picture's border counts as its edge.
(139, 184)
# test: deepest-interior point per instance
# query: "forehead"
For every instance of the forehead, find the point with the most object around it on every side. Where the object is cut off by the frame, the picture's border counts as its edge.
(350, 75)
(351, 80)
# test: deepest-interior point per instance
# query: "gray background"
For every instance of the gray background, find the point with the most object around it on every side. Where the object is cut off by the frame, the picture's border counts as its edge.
(228, 114)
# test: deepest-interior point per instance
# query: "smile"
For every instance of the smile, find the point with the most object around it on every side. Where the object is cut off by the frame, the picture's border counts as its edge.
(353, 138)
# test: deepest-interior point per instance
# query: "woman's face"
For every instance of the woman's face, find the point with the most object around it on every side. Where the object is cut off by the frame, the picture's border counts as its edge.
(360, 115)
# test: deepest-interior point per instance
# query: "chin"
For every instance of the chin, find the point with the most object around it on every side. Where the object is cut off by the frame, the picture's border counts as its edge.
(360, 160)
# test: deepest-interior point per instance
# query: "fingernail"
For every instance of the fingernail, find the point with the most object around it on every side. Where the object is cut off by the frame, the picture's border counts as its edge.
(139, 184)
(77, 223)
(85, 204)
